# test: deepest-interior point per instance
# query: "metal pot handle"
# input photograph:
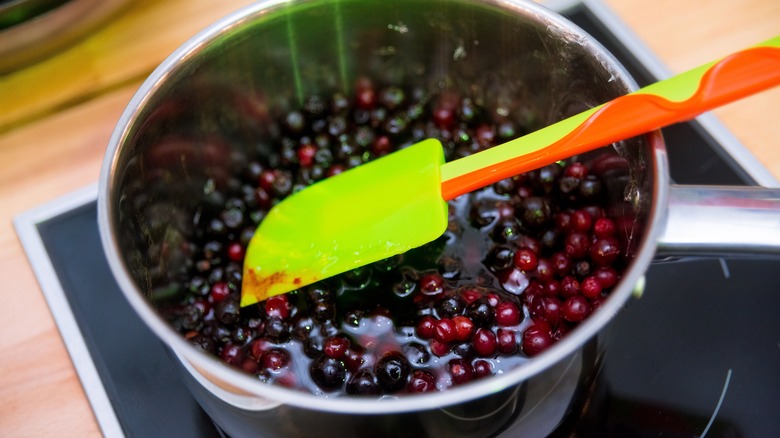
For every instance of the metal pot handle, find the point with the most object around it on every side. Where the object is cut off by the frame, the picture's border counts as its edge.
(721, 220)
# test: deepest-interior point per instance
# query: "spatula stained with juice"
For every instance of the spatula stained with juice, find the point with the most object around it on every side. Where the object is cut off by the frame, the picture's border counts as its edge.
(398, 202)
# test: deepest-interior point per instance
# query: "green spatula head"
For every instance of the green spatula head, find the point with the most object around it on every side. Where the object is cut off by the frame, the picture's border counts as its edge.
(403, 209)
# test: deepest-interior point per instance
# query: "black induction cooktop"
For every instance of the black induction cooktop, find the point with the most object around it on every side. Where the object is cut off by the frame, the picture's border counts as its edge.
(697, 355)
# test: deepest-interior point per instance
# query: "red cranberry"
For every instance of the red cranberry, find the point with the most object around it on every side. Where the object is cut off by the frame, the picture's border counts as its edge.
(277, 307)
(562, 221)
(482, 368)
(508, 314)
(219, 291)
(235, 252)
(461, 371)
(536, 339)
(232, 355)
(604, 251)
(525, 259)
(570, 286)
(463, 328)
(507, 341)
(561, 262)
(353, 359)
(421, 381)
(439, 348)
(607, 276)
(484, 342)
(548, 308)
(604, 227)
(431, 284)
(581, 220)
(577, 245)
(469, 295)
(444, 330)
(545, 270)
(425, 327)
(306, 154)
(336, 347)
(575, 309)
(591, 287)
(576, 170)
(275, 359)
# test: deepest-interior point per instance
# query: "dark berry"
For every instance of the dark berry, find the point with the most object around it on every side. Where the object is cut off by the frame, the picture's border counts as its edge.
(481, 313)
(363, 383)
(328, 373)
(392, 372)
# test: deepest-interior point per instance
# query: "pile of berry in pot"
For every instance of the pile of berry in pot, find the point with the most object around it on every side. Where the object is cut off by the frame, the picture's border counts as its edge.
(521, 264)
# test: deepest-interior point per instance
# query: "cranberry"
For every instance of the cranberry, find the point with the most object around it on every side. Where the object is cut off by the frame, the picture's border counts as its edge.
(548, 308)
(507, 341)
(604, 251)
(336, 347)
(482, 369)
(607, 276)
(445, 330)
(570, 286)
(469, 295)
(507, 314)
(439, 348)
(561, 263)
(277, 307)
(235, 252)
(591, 287)
(577, 245)
(232, 355)
(425, 327)
(431, 284)
(604, 227)
(575, 309)
(526, 259)
(421, 381)
(484, 342)
(575, 170)
(219, 291)
(275, 359)
(306, 155)
(464, 328)
(545, 269)
(581, 220)
(460, 371)
(536, 339)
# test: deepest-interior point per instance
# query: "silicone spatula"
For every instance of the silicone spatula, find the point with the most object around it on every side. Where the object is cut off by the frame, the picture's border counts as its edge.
(398, 202)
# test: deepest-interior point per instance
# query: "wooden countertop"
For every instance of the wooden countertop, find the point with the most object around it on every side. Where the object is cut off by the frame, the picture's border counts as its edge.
(56, 118)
